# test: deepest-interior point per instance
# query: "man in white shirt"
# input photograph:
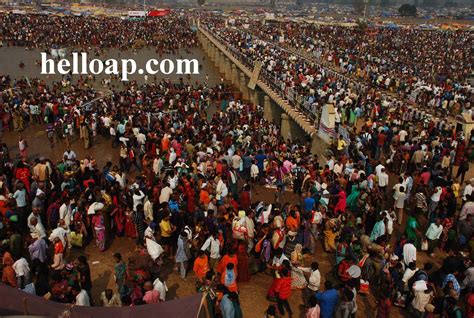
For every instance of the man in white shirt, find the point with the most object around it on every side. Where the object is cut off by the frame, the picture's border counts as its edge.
(165, 193)
(383, 182)
(82, 299)
(314, 282)
(221, 189)
(378, 169)
(160, 285)
(212, 245)
(409, 253)
(65, 212)
(409, 272)
(434, 200)
(137, 199)
(433, 234)
(468, 190)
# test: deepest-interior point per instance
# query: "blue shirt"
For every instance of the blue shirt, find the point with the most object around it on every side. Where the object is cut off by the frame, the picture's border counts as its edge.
(260, 159)
(328, 301)
(309, 204)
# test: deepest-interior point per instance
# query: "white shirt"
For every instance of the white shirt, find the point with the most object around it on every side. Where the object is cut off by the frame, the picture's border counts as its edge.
(82, 299)
(221, 190)
(137, 199)
(467, 191)
(378, 169)
(254, 171)
(436, 195)
(409, 253)
(165, 194)
(314, 280)
(161, 288)
(65, 213)
(434, 231)
(60, 233)
(21, 268)
(279, 261)
(214, 247)
(408, 274)
(383, 179)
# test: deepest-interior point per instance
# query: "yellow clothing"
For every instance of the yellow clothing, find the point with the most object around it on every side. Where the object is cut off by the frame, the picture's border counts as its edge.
(165, 227)
(341, 144)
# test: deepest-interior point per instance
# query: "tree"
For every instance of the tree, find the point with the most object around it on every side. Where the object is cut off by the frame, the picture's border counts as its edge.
(201, 2)
(407, 10)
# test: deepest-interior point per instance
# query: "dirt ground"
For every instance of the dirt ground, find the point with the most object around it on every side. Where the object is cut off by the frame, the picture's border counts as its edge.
(252, 294)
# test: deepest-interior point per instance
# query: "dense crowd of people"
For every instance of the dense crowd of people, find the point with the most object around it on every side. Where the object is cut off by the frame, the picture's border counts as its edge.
(101, 33)
(185, 185)
(379, 57)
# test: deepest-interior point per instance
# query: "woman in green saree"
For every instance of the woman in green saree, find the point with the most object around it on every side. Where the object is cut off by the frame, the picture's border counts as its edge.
(411, 229)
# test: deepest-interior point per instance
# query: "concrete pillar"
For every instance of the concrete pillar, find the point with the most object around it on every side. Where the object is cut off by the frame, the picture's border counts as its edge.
(254, 96)
(207, 45)
(285, 126)
(267, 108)
(243, 87)
(212, 52)
(235, 75)
(217, 59)
(222, 62)
(228, 69)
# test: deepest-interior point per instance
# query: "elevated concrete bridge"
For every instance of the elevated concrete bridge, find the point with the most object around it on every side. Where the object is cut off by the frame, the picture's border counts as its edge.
(292, 122)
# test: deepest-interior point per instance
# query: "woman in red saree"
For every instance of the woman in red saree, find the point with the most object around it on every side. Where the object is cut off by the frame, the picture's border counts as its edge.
(23, 174)
(129, 225)
(243, 262)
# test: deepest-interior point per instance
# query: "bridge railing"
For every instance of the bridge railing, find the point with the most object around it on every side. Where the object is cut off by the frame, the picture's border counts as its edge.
(296, 100)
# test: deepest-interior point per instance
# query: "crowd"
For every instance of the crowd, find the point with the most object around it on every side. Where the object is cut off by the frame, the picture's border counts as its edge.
(101, 33)
(380, 57)
(185, 186)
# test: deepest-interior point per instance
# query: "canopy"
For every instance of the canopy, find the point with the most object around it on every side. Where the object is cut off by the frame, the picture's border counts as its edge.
(17, 302)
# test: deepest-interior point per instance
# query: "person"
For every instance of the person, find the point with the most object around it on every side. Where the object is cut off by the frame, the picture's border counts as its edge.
(81, 296)
(109, 299)
(22, 272)
(226, 305)
(347, 306)
(298, 280)
(98, 223)
(229, 277)
(433, 233)
(234, 297)
(160, 285)
(120, 269)
(409, 252)
(314, 311)
(328, 300)
(271, 312)
(384, 305)
(183, 254)
(399, 198)
(201, 265)
(59, 262)
(283, 290)
(212, 245)
(84, 272)
(314, 282)
(167, 230)
(151, 296)
(8, 273)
